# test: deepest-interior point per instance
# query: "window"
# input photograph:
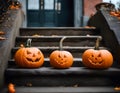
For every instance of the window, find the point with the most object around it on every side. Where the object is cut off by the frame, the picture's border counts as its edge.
(33, 4)
(48, 4)
(115, 2)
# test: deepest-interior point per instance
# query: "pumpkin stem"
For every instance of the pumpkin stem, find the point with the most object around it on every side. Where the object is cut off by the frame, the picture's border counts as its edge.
(29, 43)
(61, 43)
(97, 44)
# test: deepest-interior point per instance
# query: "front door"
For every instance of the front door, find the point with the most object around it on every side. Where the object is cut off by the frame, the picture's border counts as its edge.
(50, 13)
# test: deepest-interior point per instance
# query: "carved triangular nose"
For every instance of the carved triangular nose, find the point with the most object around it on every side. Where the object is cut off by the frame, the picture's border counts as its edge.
(33, 55)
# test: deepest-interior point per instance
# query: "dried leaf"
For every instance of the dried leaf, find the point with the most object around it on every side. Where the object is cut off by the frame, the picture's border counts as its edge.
(2, 38)
(35, 35)
(11, 88)
(117, 88)
(2, 33)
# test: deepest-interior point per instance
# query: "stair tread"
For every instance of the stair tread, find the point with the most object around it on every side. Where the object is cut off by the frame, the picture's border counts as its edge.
(70, 71)
(64, 47)
(31, 28)
(64, 90)
(56, 36)
(54, 40)
(56, 28)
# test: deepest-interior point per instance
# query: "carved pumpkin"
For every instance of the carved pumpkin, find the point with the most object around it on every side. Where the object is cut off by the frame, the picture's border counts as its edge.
(99, 59)
(61, 58)
(29, 57)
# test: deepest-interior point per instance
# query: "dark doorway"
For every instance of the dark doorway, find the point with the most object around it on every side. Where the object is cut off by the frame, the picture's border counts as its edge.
(50, 13)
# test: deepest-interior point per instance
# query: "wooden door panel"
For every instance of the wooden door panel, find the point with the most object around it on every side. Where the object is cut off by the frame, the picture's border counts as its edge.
(65, 16)
(33, 18)
(59, 15)
(49, 18)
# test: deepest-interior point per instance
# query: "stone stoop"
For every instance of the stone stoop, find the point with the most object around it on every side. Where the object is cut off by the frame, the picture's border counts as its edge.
(76, 79)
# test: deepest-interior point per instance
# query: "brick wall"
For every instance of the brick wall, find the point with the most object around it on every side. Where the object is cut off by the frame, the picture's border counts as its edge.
(89, 6)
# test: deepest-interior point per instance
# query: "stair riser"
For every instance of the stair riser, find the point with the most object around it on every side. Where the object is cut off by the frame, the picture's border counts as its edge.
(77, 53)
(56, 43)
(63, 77)
(58, 32)
(45, 42)
(47, 64)
(61, 81)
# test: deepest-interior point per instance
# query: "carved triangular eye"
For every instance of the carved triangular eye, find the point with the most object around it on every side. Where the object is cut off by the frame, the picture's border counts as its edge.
(65, 56)
(92, 55)
(99, 55)
(59, 56)
(38, 53)
(28, 52)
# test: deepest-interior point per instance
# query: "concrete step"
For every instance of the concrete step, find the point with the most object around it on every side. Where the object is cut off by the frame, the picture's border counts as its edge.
(58, 31)
(80, 76)
(46, 79)
(64, 90)
(54, 40)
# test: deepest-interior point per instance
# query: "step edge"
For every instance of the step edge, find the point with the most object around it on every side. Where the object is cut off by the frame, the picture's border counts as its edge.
(59, 28)
(56, 36)
(65, 90)
(70, 71)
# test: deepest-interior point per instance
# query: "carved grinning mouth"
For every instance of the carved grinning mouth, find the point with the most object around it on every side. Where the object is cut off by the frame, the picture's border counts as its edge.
(61, 62)
(61, 59)
(36, 60)
(95, 60)
(95, 63)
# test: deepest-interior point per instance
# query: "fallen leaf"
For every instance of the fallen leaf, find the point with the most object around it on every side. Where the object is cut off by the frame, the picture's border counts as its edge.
(117, 88)
(2, 38)
(11, 88)
(2, 33)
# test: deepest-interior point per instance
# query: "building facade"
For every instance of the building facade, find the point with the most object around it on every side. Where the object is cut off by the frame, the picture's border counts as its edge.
(58, 13)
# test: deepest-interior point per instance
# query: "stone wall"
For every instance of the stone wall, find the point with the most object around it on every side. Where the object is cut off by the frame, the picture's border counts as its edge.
(89, 6)
(89, 9)
(11, 29)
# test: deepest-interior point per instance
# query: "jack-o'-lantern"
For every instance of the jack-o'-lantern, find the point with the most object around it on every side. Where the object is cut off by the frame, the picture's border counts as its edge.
(61, 58)
(29, 57)
(95, 58)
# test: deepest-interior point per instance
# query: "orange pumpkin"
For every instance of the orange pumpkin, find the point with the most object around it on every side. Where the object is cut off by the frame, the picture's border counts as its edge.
(11, 88)
(29, 57)
(61, 58)
(99, 59)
